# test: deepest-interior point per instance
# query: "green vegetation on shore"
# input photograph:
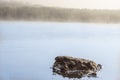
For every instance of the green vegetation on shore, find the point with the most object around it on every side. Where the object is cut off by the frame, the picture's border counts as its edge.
(58, 14)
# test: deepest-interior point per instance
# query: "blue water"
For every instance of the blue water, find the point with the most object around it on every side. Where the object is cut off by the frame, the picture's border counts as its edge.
(28, 49)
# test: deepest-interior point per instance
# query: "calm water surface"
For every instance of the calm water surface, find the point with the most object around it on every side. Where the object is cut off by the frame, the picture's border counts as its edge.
(28, 49)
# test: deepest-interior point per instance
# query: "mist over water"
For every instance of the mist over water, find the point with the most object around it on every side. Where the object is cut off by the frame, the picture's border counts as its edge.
(28, 49)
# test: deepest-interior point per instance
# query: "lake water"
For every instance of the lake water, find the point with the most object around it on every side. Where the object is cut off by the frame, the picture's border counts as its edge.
(28, 49)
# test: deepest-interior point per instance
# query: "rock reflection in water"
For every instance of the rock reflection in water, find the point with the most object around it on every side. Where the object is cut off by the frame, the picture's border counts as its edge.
(75, 67)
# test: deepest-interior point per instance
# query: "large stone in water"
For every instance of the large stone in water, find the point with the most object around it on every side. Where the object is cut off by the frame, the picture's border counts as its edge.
(75, 67)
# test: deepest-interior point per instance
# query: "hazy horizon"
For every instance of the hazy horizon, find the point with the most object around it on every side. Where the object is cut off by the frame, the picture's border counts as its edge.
(89, 4)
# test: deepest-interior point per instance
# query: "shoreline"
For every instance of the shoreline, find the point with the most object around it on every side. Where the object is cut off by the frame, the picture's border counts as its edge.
(65, 22)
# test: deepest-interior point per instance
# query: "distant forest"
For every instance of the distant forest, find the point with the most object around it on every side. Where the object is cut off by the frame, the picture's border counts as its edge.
(41, 13)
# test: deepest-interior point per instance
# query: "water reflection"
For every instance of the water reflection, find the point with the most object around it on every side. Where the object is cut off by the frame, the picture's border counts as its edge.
(27, 49)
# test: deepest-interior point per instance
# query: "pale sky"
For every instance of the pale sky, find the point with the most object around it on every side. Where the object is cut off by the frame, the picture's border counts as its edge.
(91, 4)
